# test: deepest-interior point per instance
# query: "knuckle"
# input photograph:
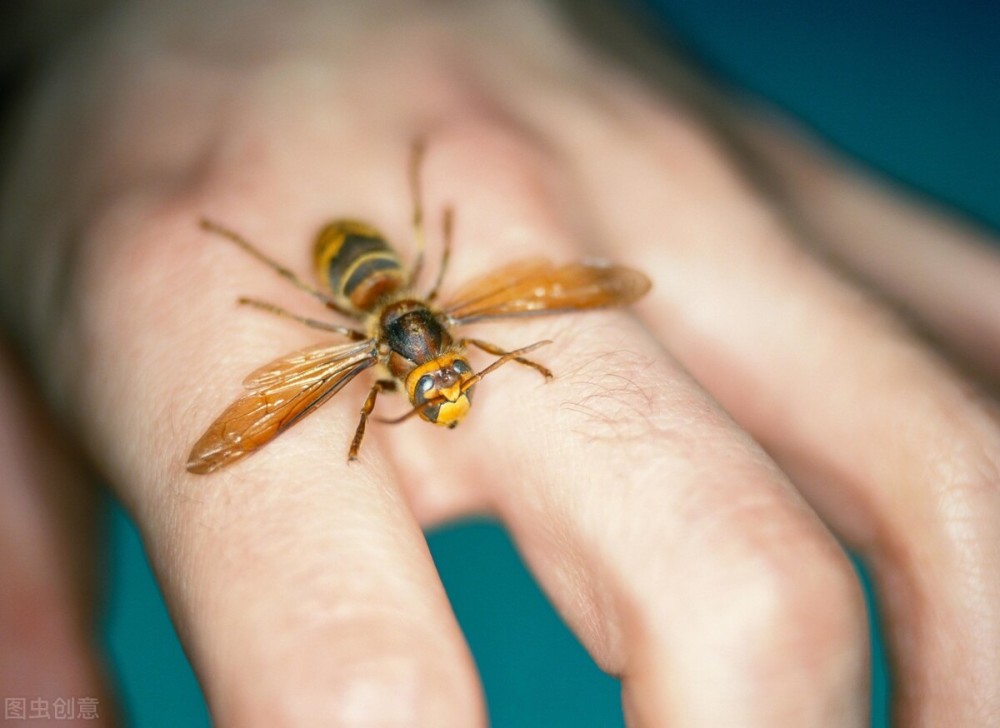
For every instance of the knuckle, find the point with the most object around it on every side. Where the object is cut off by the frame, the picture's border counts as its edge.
(367, 695)
(389, 689)
(365, 676)
(783, 606)
(968, 466)
(146, 295)
(957, 468)
(802, 611)
(145, 237)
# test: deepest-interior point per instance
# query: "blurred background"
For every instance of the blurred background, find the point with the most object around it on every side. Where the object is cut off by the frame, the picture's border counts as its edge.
(912, 89)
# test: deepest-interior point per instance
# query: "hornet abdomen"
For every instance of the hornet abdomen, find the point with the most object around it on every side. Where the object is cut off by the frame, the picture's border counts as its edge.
(357, 264)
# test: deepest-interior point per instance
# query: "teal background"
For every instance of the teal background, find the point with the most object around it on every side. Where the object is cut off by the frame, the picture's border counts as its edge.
(910, 88)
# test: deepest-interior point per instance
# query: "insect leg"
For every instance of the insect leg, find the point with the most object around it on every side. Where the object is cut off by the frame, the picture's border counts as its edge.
(287, 274)
(366, 410)
(448, 225)
(416, 191)
(350, 333)
(494, 349)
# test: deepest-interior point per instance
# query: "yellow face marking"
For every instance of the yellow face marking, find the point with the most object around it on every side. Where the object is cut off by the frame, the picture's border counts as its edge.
(451, 413)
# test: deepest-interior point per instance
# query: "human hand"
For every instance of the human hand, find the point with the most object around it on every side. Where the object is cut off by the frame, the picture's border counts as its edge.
(678, 551)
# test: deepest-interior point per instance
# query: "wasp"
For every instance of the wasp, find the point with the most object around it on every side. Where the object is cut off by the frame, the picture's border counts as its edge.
(408, 337)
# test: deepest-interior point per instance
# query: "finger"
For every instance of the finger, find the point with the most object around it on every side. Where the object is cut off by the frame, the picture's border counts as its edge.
(882, 437)
(673, 548)
(48, 531)
(671, 545)
(944, 272)
(302, 586)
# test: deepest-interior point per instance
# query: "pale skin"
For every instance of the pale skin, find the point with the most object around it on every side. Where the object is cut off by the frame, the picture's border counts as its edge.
(703, 572)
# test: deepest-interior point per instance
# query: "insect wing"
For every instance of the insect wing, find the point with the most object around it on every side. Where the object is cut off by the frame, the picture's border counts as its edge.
(304, 364)
(281, 393)
(537, 286)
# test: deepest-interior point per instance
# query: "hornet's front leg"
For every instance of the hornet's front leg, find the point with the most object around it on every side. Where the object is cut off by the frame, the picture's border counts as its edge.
(494, 349)
(366, 410)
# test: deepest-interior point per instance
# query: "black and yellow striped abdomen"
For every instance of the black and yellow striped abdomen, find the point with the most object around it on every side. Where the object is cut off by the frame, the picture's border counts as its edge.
(357, 264)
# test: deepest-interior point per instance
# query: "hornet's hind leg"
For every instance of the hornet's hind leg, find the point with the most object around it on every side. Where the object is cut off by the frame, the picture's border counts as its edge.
(286, 273)
(312, 323)
(417, 155)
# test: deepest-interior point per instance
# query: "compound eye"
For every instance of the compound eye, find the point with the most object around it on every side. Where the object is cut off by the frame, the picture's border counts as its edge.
(461, 366)
(425, 385)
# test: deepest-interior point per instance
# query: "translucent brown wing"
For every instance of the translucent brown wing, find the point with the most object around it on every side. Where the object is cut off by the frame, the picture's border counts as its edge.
(281, 393)
(537, 286)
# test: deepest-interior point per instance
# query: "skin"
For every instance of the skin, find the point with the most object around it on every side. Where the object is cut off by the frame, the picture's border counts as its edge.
(678, 489)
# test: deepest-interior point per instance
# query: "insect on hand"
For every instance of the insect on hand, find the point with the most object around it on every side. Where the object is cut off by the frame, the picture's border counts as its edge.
(407, 335)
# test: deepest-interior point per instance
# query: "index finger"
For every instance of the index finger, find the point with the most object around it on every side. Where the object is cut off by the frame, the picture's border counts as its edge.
(302, 587)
